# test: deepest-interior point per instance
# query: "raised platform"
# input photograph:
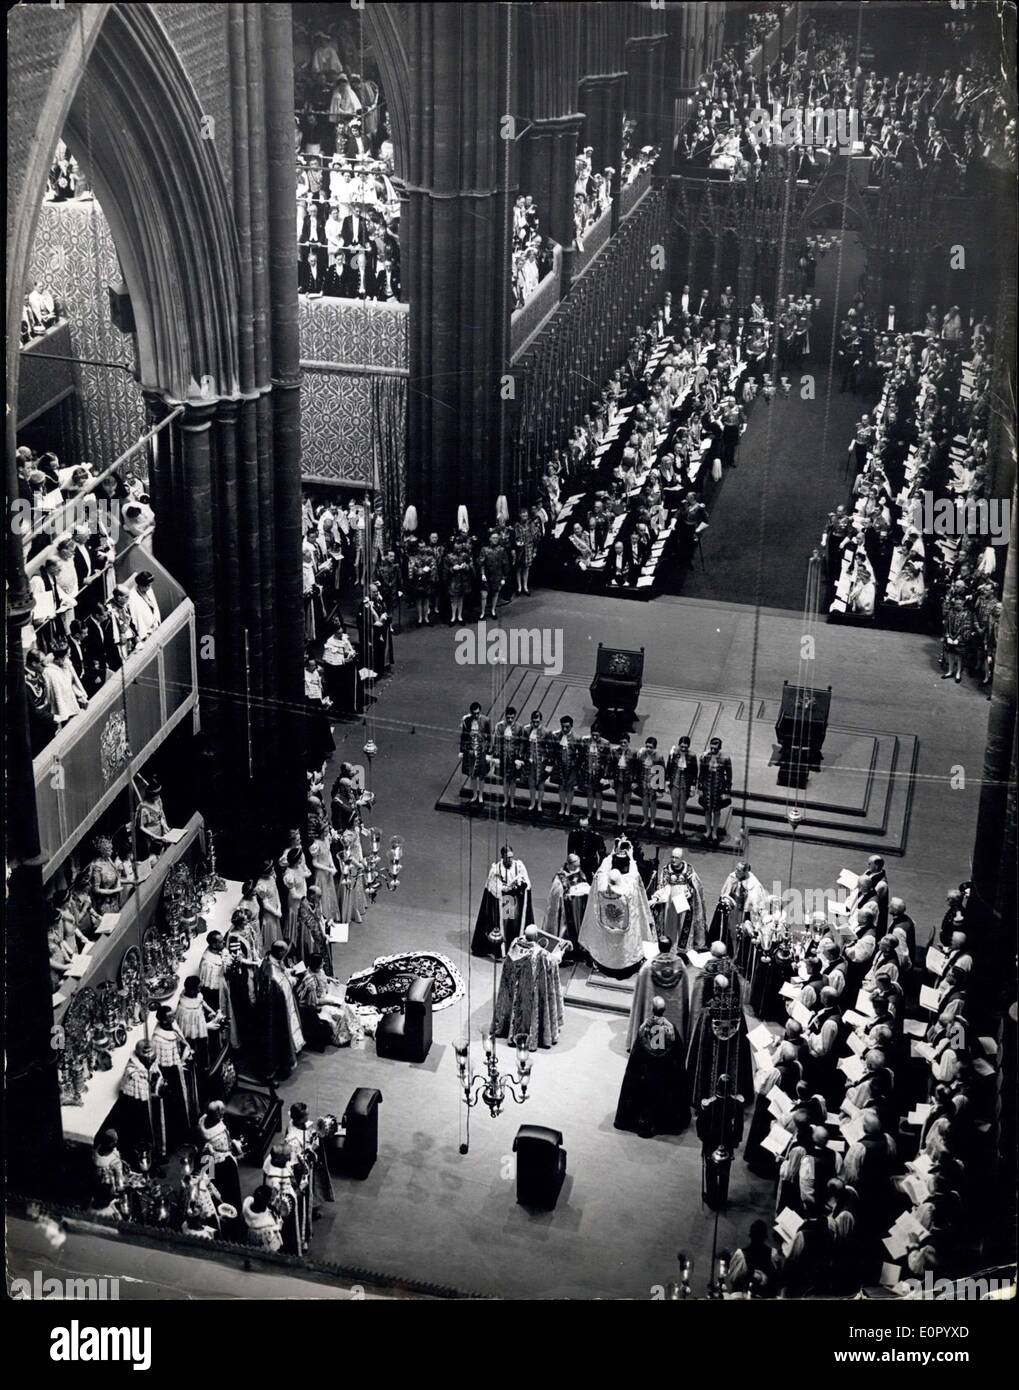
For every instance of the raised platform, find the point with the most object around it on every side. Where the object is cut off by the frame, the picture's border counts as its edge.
(859, 800)
(585, 988)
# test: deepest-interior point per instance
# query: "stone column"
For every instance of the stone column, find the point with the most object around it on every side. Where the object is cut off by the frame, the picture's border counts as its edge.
(547, 171)
(601, 100)
(195, 549)
(461, 180)
(288, 614)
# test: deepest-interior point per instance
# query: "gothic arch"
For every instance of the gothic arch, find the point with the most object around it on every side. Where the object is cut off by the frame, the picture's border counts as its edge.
(840, 194)
(136, 125)
(391, 56)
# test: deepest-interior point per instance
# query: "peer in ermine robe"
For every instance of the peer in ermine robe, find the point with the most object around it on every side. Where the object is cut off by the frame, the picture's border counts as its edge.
(506, 907)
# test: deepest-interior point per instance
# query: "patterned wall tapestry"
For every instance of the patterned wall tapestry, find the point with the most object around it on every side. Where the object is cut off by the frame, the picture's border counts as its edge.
(371, 333)
(74, 257)
(337, 433)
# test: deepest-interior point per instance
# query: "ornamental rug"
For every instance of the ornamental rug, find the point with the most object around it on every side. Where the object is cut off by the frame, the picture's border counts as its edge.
(385, 984)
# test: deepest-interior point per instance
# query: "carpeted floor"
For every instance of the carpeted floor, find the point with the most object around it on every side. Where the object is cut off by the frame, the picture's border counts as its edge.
(770, 511)
(629, 1204)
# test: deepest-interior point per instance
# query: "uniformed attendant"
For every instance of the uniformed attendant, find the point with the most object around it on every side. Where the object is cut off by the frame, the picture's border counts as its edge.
(493, 567)
(624, 774)
(732, 426)
(592, 770)
(720, 1130)
(535, 746)
(650, 773)
(506, 747)
(475, 741)
(565, 754)
(681, 776)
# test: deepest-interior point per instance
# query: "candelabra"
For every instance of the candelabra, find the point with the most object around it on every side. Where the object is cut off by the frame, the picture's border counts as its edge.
(395, 863)
(373, 869)
(717, 1289)
(491, 1086)
(679, 1292)
(146, 1199)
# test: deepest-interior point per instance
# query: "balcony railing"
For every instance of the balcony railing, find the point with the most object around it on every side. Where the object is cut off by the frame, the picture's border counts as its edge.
(597, 235)
(43, 383)
(527, 320)
(631, 193)
(103, 956)
(90, 761)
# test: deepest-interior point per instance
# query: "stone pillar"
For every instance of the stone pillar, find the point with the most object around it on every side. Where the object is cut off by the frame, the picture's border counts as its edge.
(195, 549)
(461, 181)
(288, 614)
(601, 100)
(547, 171)
(639, 90)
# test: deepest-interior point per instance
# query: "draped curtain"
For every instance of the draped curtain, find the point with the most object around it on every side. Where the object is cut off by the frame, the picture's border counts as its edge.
(389, 449)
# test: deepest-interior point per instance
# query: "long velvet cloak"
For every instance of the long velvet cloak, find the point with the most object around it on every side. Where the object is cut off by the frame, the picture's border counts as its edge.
(654, 1098)
(665, 976)
(530, 999)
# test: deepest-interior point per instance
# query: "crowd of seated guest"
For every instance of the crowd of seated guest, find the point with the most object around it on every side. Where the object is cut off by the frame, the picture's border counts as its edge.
(84, 626)
(761, 23)
(633, 475)
(636, 158)
(876, 1104)
(348, 211)
(924, 445)
(904, 122)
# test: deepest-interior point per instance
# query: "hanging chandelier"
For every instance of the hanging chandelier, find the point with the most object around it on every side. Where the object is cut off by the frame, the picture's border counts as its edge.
(373, 865)
(489, 1085)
